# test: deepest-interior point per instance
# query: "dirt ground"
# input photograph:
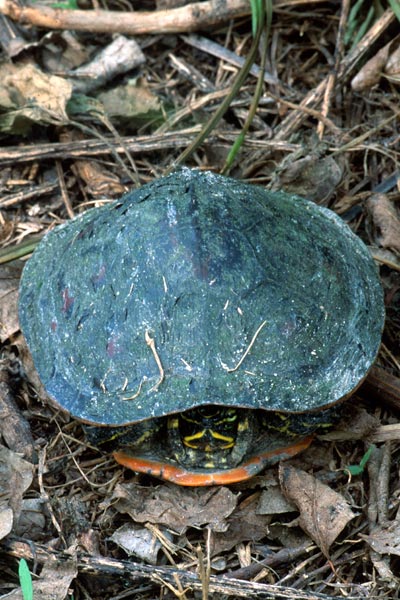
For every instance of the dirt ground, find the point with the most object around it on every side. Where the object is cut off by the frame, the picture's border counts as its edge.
(98, 99)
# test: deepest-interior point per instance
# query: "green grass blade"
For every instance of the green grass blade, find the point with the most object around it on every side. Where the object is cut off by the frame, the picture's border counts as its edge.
(395, 6)
(25, 579)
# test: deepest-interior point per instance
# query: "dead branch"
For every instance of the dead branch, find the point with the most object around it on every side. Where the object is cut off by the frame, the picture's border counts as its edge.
(76, 149)
(131, 571)
(95, 147)
(199, 15)
(186, 18)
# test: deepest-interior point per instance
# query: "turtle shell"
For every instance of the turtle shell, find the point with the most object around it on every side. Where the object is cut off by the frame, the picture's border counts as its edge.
(198, 289)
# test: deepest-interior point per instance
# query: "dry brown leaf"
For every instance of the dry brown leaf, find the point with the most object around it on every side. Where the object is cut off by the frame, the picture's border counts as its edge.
(312, 177)
(32, 86)
(385, 539)
(55, 579)
(7, 227)
(75, 52)
(14, 428)
(6, 520)
(32, 521)
(355, 424)
(175, 507)
(37, 97)
(393, 64)
(131, 104)
(244, 524)
(138, 541)
(386, 222)
(385, 62)
(371, 72)
(323, 512)
(386, 257)
(16, 476)
(9, 282)
(273, 502)
(99, 181)
(26, 360)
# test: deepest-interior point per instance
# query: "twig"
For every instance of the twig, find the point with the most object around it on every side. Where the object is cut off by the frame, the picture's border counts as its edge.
(313, 99)
(26, 195)
(132, 572)
(330, 86)
(349, 63)
(274, 560)
(198, 15)
(63, 189)
(152, 345)
(177, 20)
(45, 497)
(94, 147)
(211, 47)
(249, 347)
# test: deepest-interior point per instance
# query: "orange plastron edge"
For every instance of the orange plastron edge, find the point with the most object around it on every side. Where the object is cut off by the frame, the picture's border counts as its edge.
(182, 476)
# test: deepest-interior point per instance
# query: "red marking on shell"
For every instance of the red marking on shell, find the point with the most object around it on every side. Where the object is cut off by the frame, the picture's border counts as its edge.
(98, 278)
(68, 301)
(53, 325)
(112, 346)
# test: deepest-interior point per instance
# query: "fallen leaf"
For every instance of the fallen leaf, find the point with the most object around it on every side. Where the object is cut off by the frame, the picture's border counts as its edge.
(99, 181)
(386, 221)
(9, 282)
(132, 105)
(26, 360)
(323, 512)
(55, 579)
(273, 502)
(312, 177)
(37, 97)
(175, 507)
(355, 423)
(6, 519)
(16, 476)
(371, 72)
(386, 257)
(139, 541)
(287, 535)
(385, 62)
(392, 67)
(32, 520)
(244, 524)
(385, 539)
(75, 52)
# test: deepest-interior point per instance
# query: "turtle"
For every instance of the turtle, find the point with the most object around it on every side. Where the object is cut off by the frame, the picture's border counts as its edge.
(200, 327)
